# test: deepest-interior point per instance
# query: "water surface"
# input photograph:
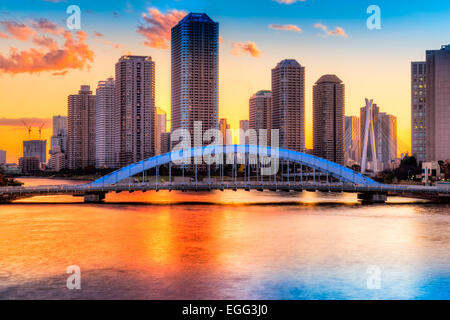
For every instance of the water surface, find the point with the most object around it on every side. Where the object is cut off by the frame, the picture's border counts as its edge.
(223, 245)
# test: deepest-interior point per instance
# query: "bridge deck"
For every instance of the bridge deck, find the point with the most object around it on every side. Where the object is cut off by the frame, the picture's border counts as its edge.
(80, 190)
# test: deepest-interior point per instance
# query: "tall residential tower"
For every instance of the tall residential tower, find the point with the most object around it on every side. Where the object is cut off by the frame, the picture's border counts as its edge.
(105, 157)
(81, 129)
(195, 74)
(134, 109)
(328, 118)
(438, 104)
(288, 104)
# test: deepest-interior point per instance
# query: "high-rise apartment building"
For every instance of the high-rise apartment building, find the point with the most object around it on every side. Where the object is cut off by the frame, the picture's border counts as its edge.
(2, 157)
(134, 109)
(328, 118)
(438, 104)
(58, 145)
(288, 104)
(81, 129)
(387, 138)
(244, 126)
(195, 74)
(161, 127)
(165, 142)
(224, 129)
(260, 108)
(418, 110)
(104, 155)
(35, 148)
(352, 141)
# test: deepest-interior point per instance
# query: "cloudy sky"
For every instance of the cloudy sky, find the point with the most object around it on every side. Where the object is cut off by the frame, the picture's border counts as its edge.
(42, 61)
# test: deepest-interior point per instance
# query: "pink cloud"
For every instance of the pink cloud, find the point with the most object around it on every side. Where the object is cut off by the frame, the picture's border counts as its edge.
(339, 32)
(18, 31)
(287, 27)
(157, 27)
(45, 26)
(250, 47)
(289, 1)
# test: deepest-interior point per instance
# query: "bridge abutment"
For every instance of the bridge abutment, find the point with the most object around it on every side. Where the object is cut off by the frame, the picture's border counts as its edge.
(370, 197)
(94, 197)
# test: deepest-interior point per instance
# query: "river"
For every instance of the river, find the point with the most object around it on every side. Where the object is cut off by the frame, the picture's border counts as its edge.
(224, 245)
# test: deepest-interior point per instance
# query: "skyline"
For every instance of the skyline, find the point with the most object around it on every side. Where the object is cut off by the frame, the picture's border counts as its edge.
(351, 57)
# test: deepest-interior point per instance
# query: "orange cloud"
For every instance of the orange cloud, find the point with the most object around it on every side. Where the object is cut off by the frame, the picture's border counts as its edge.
(75, 53)
(49, 55)
(339, 32)
(250, 47)
(287, 27)
(157, 26)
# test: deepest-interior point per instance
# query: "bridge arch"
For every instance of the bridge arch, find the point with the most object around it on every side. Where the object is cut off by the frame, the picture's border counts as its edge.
(335, 170)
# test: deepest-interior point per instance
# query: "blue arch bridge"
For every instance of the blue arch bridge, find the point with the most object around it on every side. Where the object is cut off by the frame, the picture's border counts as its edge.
(250, 167)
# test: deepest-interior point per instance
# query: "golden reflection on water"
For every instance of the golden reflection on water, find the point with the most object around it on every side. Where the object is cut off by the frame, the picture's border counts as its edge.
(187, 246)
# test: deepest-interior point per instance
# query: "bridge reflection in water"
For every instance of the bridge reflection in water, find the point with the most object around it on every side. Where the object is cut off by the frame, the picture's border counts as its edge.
(247, 167)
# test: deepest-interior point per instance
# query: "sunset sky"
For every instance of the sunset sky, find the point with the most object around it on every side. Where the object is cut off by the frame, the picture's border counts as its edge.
(42, 61)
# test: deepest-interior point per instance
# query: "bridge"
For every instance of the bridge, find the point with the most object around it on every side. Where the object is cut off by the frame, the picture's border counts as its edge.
(235, 167)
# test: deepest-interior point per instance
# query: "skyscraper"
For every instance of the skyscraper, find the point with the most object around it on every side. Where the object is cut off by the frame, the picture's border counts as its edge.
(105, 156)
(81, 129)
(387, 138)
(224, 128)
(58, 147)
(161, 127)
(418, 110)
(260, 108)
(195, 74)
(437, 104)
(35, 148)
(2, 157)
(288, 104)
(134, 109)
(352, 140)
(328, 118)
(244, 125)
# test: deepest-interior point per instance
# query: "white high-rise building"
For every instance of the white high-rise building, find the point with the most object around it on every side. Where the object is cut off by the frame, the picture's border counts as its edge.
(104, 110)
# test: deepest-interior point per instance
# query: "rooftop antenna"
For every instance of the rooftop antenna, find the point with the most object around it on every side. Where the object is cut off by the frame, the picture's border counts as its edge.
(28, 127)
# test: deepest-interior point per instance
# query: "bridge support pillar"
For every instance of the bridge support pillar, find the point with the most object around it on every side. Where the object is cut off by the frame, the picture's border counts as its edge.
(94, 197)
(370, 197)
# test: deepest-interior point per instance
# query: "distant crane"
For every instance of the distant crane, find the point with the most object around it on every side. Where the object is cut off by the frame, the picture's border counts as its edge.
(28, 127)
(40, 130)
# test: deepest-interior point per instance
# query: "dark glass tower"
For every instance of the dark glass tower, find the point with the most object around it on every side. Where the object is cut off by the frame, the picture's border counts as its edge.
(195, 73)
